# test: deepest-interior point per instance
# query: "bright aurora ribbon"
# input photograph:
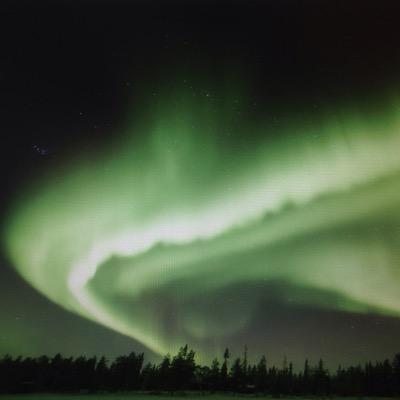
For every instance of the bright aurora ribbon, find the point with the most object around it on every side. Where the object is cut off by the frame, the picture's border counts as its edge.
(148, 239)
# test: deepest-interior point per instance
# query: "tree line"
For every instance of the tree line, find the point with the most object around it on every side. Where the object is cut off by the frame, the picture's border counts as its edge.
(181, 372)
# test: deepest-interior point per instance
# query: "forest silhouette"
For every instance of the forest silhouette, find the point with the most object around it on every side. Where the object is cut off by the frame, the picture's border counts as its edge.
(179, 373)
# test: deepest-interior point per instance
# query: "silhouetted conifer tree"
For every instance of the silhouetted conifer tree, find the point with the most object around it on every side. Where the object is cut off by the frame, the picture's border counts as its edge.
(183, 369)
(163, 380)
(261, 375)
(224, 370)
(149, 377)
(101, 380)
(214, 381)
(396, 374)
(306, 387)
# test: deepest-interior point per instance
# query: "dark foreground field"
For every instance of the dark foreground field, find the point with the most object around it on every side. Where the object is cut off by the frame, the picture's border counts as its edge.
(130, 396)
(161, 397)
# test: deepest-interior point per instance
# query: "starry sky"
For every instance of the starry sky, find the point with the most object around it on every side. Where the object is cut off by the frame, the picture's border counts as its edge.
(220, 173)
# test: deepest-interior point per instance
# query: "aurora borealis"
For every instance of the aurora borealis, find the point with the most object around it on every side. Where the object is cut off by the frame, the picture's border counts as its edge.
(214, 212)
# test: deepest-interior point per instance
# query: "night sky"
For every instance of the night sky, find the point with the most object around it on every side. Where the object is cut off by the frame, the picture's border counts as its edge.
(202, 172)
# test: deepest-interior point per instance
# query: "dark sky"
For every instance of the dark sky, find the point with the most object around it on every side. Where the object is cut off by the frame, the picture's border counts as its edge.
(72, 72)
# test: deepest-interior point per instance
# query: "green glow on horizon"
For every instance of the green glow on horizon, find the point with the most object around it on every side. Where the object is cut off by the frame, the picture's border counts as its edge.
(182, 215)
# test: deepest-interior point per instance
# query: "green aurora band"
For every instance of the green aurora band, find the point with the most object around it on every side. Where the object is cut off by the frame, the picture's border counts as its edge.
(151, 238)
